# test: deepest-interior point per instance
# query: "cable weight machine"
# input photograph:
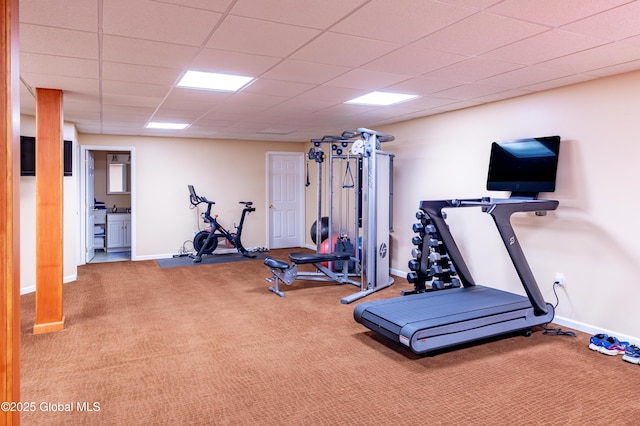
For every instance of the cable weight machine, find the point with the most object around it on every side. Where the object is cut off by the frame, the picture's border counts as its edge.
(355, 241)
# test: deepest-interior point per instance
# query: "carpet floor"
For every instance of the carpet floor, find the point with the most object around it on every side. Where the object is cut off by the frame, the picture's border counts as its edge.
(143, 345)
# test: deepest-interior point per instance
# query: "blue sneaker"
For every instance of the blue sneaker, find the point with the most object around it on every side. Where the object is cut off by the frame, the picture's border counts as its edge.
(596, 341)
(607, 345)
(632, 354)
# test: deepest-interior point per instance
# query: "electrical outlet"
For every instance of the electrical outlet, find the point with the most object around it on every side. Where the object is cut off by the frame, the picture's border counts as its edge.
(560, 279)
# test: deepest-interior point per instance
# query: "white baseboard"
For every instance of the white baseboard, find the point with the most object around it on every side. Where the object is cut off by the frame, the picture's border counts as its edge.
(153, 257)
(27, 290)
(32, 288)
(590, 329)
(397, 273)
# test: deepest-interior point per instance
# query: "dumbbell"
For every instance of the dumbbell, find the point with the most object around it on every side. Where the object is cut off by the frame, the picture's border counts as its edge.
(414, 265)
(437, 285)
(438, 269)
(434, 242)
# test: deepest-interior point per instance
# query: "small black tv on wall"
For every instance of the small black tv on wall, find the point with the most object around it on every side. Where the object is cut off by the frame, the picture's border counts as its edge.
(524, 166)
(28, 156)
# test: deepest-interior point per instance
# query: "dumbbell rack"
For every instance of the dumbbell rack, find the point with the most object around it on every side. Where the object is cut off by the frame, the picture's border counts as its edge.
(431, 261)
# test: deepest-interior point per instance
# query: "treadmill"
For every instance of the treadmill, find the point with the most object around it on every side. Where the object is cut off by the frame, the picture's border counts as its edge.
(433, 320)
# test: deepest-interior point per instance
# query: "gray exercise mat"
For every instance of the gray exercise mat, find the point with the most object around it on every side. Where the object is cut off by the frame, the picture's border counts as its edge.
(206, 260)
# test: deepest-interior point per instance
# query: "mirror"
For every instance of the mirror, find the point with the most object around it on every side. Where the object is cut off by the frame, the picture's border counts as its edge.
(118, 173)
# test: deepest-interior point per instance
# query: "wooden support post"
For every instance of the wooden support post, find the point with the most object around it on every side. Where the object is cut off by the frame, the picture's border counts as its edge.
(49, 171)
(9, 211)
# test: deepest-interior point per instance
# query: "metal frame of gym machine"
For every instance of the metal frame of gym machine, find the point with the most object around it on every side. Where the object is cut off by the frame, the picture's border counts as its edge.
(433, 320)
(375, 179)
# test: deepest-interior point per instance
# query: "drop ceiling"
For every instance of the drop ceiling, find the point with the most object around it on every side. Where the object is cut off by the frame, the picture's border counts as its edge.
(118, 61)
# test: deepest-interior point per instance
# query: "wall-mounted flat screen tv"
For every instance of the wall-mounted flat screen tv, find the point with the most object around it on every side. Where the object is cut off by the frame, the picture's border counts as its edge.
(524, 166)
(28, 156)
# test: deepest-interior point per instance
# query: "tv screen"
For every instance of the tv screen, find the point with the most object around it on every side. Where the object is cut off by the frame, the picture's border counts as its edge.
(28, 156)
(524, 166)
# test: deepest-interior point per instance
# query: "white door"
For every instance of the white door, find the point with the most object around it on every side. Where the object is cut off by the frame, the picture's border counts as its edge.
(285, 199)
(90, 203)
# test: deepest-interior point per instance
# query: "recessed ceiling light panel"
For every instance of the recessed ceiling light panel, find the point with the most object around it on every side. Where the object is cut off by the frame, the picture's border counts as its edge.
(213, 81)
(166, 126)
(381, 98)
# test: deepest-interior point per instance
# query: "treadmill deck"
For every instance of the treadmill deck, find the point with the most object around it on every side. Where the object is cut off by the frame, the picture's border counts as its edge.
(429, 321)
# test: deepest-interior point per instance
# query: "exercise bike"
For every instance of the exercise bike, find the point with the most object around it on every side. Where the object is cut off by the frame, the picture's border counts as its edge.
(205, 242)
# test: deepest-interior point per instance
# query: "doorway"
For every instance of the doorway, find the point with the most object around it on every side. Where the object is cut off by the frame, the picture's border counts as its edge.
(285, 199)
(107, 203)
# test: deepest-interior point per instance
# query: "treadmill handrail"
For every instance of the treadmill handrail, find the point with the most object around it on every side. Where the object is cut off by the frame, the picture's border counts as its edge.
(501, 211)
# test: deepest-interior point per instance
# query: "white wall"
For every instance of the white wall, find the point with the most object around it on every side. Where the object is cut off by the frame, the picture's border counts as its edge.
(28, 214)
(221, 170)
(593, 236)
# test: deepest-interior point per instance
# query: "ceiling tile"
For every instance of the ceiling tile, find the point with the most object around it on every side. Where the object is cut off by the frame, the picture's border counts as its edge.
(295, 105)
(432, 101)
(58, 41)
(507, 94)
(171, 115)
(598, 57)
(195, 100)
(304, 72)
(253, 99)
(543, 47)
(130, 100)
(305, 13)
(479, 33)
(422, 86)
(564, 81)
(265, 86)
(85, 86)
(469, 91)
(215, 5)
(140, 89)
(553, 13)
(329, 93)
(151, 20)
(471, 70)
(367, 80)
(413, 61)
(145, 52)
(127, 113)
(344, 50)
(621, 68)
(59, 65)
(404, 22)
(309, 57)
(212, 60)
(260, 37)
(474, 4)
(524, 77)
(117, 71)
(615, 24)
(79, 15)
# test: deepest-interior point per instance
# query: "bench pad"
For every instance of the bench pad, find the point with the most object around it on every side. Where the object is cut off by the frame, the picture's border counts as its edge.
(275, 263)
(301, 258)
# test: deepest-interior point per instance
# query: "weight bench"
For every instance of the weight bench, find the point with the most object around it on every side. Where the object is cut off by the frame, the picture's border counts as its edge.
(282, 271)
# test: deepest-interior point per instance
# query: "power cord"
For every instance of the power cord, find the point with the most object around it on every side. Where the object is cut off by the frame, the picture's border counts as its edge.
(184, 251)
(556, 331)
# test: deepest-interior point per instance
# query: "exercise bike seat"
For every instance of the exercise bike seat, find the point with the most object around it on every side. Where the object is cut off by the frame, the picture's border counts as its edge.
(275, 263)
(301, 258)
